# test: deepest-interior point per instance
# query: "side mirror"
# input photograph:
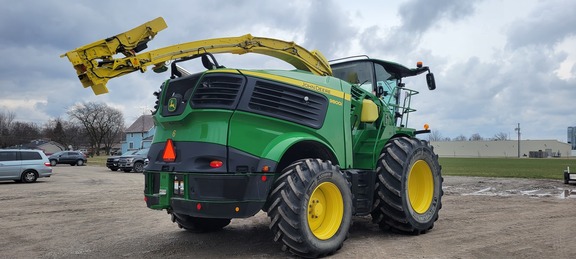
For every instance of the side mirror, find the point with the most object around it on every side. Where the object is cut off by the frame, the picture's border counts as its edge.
(380, 91)
(430, 81)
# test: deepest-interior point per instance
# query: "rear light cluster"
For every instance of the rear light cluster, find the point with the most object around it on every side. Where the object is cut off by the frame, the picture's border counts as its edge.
(47, 164)
(169, 155)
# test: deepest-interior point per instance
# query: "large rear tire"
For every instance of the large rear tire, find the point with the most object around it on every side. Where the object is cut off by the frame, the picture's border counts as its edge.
(311, 208)
(408, 193)
(199, 225)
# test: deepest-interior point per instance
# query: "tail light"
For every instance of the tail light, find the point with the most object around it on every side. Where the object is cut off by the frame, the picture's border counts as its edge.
(47, 164)
(216, 164)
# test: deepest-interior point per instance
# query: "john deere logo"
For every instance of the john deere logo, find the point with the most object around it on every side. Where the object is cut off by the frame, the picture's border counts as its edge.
(172, 103)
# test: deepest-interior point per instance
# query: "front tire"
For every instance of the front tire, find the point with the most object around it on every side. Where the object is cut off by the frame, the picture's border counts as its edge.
(138, 167)
(311, 208)
(408, 193)
(199, 225)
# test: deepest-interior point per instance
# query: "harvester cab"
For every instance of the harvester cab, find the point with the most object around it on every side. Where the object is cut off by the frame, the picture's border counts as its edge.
(384, 80)
(311, 147)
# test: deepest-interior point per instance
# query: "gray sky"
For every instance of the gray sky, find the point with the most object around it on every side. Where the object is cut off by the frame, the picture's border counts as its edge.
(497, 62)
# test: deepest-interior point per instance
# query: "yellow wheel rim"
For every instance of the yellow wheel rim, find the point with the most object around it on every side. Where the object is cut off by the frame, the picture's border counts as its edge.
(420, 186)
(325, 210)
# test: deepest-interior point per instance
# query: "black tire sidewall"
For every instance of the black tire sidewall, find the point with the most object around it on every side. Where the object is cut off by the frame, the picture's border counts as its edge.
(138, 165)
(325, 246)
(426, 219)
(25, 179)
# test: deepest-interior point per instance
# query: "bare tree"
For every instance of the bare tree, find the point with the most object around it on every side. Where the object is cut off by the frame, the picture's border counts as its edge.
(460, 138)
(476, 137)
(54, 130)
(100, 121)
(501, 136)
(24, 132)
(6, 120)
(435, 135)
(67, 133)
(114, 132)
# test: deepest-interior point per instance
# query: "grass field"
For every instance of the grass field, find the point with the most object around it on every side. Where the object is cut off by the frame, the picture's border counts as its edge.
(543, 168)
(97, 160)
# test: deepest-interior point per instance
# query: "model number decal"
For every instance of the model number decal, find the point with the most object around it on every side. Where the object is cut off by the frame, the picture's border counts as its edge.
(336, 102)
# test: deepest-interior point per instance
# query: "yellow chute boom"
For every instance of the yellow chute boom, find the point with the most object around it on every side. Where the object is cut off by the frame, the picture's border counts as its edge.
(95, 64)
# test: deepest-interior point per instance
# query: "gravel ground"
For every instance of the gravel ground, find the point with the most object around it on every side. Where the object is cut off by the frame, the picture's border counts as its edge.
(91, 212)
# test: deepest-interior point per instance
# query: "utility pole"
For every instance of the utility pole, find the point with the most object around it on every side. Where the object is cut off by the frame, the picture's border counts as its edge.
(518, 130)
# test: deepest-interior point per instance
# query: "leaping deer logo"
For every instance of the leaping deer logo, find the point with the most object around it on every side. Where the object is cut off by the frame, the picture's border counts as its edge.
(172, 104)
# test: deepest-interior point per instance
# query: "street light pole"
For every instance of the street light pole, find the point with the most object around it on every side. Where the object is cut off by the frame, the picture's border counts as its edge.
(518, 130)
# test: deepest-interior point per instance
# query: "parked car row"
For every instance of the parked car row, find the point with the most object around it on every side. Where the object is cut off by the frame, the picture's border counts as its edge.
(29, 165)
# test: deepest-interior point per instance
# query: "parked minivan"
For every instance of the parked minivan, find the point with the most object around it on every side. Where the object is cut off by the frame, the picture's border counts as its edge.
(23, 165)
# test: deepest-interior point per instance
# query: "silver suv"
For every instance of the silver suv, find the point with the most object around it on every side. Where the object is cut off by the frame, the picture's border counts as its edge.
(23, 165)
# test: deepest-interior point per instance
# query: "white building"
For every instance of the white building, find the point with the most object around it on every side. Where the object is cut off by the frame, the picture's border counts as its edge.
(505, 148)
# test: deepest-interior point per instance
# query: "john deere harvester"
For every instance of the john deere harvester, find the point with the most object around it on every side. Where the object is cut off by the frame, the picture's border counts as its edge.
(311, 147)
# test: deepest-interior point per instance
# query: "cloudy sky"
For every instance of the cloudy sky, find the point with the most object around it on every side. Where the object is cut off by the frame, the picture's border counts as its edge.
(497, 62)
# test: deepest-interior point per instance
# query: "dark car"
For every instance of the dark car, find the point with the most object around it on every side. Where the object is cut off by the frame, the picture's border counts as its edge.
(68, 157)
(135, 162)
(112, 162)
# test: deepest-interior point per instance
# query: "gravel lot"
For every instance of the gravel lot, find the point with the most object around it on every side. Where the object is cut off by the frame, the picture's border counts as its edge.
(91, 212)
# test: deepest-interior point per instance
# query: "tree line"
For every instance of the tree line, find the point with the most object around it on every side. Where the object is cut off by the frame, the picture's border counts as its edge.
(437, 136)
(91, 124)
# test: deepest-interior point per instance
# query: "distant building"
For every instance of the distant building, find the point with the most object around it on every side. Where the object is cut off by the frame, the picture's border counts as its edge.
(139, 135)
(572, 137)
(49, 147)
(505, 148)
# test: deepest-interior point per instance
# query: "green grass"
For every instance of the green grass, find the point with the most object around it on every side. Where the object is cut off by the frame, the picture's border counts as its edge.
(542, 168)
(97, 160)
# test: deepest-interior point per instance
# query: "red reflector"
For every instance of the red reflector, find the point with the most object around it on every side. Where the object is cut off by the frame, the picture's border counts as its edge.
(169, 152)
(216, 164)
(264, 178)
(145, 198)
(198, 206)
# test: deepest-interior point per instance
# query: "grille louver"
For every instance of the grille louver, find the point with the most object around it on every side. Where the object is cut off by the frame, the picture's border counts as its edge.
(217, 92)
(289, 103)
